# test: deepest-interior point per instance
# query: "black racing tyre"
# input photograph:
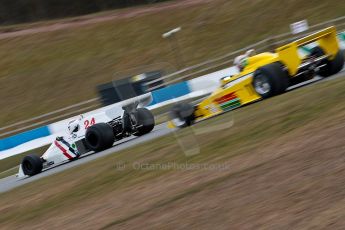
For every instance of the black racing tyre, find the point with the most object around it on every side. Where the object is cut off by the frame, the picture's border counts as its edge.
(99, 137)
(270, 80)
(317, 51)
(182, 115)
(145, 121)
(331, 66)
(32, 165)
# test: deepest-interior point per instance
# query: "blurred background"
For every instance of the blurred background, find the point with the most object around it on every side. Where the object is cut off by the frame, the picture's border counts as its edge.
(63, 60)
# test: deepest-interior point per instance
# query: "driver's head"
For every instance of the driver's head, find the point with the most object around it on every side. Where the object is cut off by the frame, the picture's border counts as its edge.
(240, 62)
(73, 126)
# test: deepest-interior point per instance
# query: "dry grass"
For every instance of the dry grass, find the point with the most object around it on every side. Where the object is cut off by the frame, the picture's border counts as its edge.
(43, 72)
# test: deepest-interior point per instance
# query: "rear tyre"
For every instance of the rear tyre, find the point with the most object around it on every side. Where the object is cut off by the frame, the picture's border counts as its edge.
(145, 121)
(270, 80)
(182, 115)
(99, 137)
(331, 66)
(32, 165)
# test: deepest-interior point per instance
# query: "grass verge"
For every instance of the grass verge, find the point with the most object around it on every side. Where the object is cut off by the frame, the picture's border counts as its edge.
(122, 192)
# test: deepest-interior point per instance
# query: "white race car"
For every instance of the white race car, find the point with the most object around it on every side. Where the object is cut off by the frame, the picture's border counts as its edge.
(92, 133)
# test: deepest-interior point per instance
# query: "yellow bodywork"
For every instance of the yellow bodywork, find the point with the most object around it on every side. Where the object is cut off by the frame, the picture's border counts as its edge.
(238, 90)
(235, 91)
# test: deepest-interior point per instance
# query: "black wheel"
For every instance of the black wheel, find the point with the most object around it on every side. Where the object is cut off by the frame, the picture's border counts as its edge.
(330, 66)
(182, 115)
(145, 121)
(270, 80)
(99, 137)
(32, 165)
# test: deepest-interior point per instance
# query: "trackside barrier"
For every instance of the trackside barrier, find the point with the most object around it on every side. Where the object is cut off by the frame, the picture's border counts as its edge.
(48, 117)
(170, 92)
(197, 86)
(21, 138)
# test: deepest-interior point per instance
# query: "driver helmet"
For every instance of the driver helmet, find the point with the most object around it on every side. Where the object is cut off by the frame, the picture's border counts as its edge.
(241, 61)
(73, 126)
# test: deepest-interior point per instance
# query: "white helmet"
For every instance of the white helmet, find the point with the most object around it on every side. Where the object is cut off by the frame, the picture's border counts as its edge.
(74, 125)
(241, 60)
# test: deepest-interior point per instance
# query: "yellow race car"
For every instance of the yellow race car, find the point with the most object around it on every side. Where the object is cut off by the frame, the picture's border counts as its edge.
(265, 75)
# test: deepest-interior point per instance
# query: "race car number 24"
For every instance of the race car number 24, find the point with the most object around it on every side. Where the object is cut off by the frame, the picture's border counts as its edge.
(88, 123)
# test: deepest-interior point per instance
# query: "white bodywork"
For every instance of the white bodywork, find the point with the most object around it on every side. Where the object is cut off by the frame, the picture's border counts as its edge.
(56, 154)
(63, 149)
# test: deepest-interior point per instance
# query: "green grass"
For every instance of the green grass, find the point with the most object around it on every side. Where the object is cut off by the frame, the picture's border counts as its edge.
(255, 126)
(47, 71)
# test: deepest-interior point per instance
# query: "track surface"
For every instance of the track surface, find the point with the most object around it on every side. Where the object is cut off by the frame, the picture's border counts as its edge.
(12, 182)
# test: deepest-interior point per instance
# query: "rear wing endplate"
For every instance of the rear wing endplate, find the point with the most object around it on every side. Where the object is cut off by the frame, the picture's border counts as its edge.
(326, 39)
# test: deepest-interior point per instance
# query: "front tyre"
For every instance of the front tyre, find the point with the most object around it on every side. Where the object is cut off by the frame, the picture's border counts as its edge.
(270, 80)
(99, 137)
(32, 165)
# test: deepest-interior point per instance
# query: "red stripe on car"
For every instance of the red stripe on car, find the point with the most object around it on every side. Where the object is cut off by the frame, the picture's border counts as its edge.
(64, 151)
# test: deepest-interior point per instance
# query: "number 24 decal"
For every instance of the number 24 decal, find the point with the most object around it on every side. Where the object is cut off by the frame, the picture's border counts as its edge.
(88, 123)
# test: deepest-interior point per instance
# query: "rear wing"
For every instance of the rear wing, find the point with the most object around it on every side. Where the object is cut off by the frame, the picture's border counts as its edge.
(326, 39)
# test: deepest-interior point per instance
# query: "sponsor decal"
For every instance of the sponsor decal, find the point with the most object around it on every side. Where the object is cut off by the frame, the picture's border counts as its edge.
(228, 102)
(212, 108)
(63, 150)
